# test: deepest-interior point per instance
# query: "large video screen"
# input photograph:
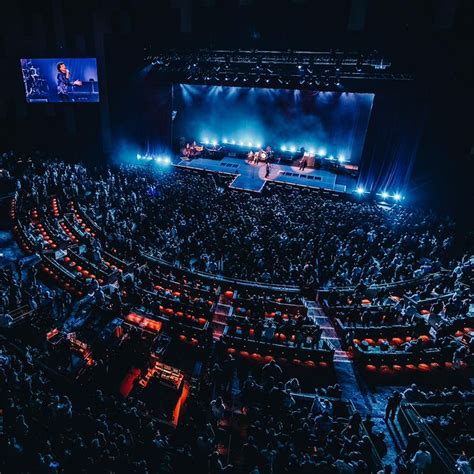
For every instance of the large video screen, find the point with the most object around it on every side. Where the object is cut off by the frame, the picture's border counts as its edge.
(327, 123)
(60, 80)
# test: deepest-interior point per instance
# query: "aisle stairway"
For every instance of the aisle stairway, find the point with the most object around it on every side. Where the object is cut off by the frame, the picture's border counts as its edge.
(353, 386)
(222, 312)
(316, 313)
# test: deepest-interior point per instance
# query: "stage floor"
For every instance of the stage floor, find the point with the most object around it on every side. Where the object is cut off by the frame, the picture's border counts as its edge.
(252, 177)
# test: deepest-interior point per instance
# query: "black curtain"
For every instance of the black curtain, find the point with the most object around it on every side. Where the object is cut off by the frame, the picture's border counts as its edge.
(394, 134)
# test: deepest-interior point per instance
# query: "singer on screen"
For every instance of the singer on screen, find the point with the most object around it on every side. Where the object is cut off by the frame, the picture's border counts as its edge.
(63, 81)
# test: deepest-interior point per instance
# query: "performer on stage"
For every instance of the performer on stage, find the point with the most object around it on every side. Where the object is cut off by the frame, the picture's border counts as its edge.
(63, 81)
(269, 153)
(187, 151)
(267, 170)
(303, 162)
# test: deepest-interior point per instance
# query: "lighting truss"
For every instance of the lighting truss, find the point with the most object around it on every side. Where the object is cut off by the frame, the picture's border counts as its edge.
(287, 68)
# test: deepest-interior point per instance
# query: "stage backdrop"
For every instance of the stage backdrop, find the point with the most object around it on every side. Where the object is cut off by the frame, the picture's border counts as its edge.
(330, 123)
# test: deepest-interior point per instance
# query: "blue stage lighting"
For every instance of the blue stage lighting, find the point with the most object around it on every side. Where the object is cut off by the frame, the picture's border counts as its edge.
(341, 158)
(241, 143)
(322, 152)
(259, 145)
(312, 151)
(283, 148)
(158, 160)
(206, 141)
(224, 140)
(166, 160)
(331, 157)
(360, 190)
(397, 197)
(292, 149)
(214, 142)
(139, 157)
(232, 142)
(249, 144)
(385, 195)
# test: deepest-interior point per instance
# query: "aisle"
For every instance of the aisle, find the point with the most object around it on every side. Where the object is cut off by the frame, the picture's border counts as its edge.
(354, 388)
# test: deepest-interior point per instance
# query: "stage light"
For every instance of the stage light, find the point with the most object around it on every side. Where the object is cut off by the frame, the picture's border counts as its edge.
(259, 145)
(331, 157)
(206, 141)
(312, 151)
(249, 144)
(241, 143)
(292, 149)
(158, 160)
(360, 190)
(214, 142)
(283, 148)
(341, 159)
(322, 152)
(385, 195)
(397, 197)
(166, 160)
(232, 142)
(139, 157)
(224, 140)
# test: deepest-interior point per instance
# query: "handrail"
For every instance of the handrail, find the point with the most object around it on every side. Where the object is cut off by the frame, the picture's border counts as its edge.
(277, 287)
(386, 285)
(220, 278)
(442, 454)
(376, 459)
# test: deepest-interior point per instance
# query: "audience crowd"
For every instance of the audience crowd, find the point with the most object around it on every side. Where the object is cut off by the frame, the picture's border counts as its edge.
(279, 236)
(282, 235)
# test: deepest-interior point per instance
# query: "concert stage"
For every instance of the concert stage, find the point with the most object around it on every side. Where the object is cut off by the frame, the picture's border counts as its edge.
(249, 177)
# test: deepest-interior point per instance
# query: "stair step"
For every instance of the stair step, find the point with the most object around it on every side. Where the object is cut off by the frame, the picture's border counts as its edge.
(219, 323)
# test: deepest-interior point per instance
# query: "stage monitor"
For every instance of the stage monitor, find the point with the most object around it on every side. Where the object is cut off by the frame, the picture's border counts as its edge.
(329, 125)
(60, 80)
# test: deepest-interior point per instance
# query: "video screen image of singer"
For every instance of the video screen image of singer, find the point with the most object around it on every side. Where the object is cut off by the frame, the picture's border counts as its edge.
(60, 80)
